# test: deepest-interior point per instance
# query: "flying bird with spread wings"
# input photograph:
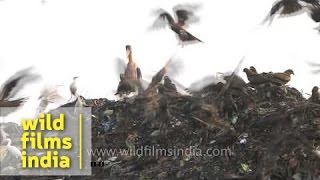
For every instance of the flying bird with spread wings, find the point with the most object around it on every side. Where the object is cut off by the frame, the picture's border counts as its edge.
(49, 95)
(12, 87)
(184, 16)
(291, 7)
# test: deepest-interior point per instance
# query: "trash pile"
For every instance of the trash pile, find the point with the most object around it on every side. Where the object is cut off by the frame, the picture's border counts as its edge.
(219, 132)
(268, 132)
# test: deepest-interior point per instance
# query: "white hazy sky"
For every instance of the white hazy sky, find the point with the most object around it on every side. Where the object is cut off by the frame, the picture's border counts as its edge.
(67, 38)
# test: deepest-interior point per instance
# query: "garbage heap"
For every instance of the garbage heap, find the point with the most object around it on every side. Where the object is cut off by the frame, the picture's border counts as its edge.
(218, 132)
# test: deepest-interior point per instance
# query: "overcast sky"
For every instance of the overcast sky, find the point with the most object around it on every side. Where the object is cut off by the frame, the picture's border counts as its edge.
(67, 38)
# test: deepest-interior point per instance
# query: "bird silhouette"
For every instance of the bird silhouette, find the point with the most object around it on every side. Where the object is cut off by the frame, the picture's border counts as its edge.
(168, 85)
(255, 78)
(262, 78)
(291, 7)
(14, 151)
(49, 95)
(282, 78)
(184, 15)
(12, 86)
(315, 95)
(130, 75)
(73, 88)
(132, 71)
(125, 86)
(253, 69)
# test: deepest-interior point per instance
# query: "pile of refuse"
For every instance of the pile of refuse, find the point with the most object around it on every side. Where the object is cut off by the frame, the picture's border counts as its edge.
(267, 132)
(218, 132)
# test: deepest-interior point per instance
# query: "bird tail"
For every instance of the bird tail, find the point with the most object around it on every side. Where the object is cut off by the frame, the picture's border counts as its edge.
(193, 38)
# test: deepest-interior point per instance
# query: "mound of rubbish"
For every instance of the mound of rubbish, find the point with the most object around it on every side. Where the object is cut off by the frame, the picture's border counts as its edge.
(263, 132)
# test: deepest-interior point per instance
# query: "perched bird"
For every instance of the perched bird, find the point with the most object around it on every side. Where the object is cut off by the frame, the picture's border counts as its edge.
(262, 78)
(132, 71)
(12, 87)
(125, 86)
(254, 78)
(253, 69)
(14, 151)
(131, 78)
(315, 95)
(289, 7)
(284, 77)
(167, 88)
(169, 85)
(73, 88)
(184, 16)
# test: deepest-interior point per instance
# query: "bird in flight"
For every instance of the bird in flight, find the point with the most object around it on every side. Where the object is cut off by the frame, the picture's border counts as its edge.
(49, 95)
(184, 16)
(12, 87)
(291, 7)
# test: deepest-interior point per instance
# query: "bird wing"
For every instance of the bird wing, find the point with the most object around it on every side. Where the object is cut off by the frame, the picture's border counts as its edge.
(139, 74)
(282, 76)
(276, 7)
(315, 13)
(313, 64)
(184, 14)
(16, 82)
(11, 106)
(162, 20)
(312, 2)
(120, 66)
(283, 7)
(174, 67)
(188, 37)
(290, 7)
(51, 94)
(13, 103)
(157, 78)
